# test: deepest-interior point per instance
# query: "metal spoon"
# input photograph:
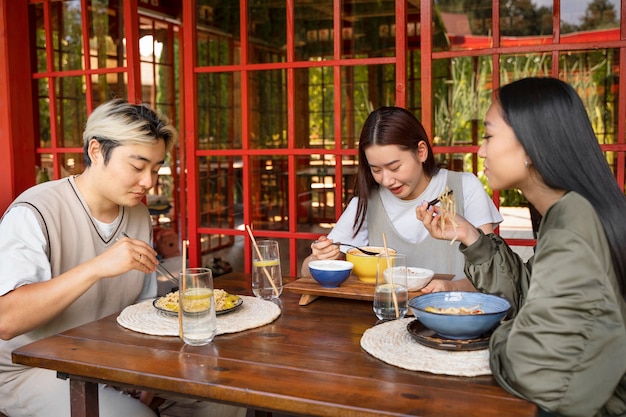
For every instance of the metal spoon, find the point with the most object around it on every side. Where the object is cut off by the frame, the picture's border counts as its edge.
(367, 252)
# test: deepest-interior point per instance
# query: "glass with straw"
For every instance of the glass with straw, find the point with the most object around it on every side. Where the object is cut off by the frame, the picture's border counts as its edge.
(267, 281)
(391, 295)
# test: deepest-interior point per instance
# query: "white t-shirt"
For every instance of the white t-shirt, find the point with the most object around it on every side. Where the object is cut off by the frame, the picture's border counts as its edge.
(478, 210)
(23, 257)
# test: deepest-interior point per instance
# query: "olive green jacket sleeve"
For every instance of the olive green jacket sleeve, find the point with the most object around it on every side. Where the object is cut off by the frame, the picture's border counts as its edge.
(564, 347)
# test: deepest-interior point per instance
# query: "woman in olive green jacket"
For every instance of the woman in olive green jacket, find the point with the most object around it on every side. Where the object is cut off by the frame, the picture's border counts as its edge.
(565, 345)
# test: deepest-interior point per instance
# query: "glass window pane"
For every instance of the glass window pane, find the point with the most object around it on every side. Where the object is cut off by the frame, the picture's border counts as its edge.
(315, 98)
(216, 50)
(220, 196)
(269, 192)
(267, 32)
(513, 67)
(156, 49)
(45, 168)
(67, 32)
(613, 160)
(219, 111)
(217, 33)
(414, 79)
(364, 88)
(72, 164)
(369, 28)
(214, 242)
(267, 101)
(356, 103)
(106, 35)
(461, 98)
(460, 24)
(313, 29)
(43, 103)
(525, 23)
(38, 34)
(71, 111)
(317, 188)
(594, 75)
(590, 20)
(105, 86)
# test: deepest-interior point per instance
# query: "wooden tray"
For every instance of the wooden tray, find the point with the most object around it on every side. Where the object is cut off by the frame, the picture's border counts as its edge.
(352, 288)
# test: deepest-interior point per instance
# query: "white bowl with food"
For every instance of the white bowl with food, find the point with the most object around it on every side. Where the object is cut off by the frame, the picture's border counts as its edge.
(418, 278)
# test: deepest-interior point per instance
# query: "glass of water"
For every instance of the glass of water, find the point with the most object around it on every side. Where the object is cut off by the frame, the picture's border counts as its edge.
(391, 296)
(197, 306)
(267, 280)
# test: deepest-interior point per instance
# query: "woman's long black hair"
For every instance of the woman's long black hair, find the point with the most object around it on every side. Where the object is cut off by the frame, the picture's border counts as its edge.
(550, 121)
(387, 126)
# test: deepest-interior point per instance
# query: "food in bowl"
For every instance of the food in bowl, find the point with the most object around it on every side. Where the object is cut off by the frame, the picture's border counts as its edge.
(365, 265)
(455, 310)
(418, 278)
(330, 273)
(459, 315)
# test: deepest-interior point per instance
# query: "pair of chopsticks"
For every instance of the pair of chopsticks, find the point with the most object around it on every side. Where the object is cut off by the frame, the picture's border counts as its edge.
(167, 274)
(258, 252)
(436, 200)
(171, 277)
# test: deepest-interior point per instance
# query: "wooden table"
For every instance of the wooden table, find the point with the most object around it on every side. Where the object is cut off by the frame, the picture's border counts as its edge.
(308, 362)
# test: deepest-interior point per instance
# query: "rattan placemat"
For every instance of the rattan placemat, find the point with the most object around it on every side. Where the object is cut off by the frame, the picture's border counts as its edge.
(392, 343)
(145, 318)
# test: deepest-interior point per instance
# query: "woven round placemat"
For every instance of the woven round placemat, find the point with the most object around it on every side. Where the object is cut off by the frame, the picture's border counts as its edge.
(145, 318)
(392, 343)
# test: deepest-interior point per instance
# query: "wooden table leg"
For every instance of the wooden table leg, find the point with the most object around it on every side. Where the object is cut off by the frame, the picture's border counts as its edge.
(84, 398)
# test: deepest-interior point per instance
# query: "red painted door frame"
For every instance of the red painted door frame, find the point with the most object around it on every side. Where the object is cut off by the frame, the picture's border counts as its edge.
(17, 150)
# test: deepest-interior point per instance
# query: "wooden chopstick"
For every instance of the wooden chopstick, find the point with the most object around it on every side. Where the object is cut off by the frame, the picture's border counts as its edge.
(436, 200)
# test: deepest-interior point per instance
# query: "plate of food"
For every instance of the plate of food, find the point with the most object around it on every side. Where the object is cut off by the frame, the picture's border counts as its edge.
(224, 302)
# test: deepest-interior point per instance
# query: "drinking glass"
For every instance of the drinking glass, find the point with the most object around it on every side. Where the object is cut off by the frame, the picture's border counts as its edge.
(267, 280)
(197, 306)
(391, 297)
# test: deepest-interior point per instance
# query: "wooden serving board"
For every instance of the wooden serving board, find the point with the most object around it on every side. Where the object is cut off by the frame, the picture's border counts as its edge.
(352, 288)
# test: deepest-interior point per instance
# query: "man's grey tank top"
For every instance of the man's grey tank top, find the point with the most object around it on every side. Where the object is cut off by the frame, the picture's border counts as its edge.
(437, 255)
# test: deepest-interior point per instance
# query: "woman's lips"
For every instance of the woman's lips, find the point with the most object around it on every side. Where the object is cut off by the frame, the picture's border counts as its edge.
(396, 190)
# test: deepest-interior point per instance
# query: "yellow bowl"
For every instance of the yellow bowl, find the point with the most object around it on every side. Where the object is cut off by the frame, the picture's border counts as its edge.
(365, 265)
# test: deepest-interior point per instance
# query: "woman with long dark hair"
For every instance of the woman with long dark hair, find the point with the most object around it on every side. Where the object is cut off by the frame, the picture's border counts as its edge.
(564, 347)
(397, 171)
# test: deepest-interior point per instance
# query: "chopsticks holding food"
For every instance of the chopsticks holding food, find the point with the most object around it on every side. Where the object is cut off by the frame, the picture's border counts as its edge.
(436, 200)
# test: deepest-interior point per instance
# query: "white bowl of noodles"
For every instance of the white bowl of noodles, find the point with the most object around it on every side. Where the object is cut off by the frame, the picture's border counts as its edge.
(418, 278)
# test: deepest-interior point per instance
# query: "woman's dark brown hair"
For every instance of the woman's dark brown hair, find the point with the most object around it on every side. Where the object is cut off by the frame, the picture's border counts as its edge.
(387, 126)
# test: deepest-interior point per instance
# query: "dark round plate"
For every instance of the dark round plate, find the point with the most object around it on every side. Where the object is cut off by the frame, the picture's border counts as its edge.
(175, 313)
(427, 337)
(233, 308)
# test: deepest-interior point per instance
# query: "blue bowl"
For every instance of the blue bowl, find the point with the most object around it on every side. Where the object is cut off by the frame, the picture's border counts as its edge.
(330, 273)
(460, 326)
